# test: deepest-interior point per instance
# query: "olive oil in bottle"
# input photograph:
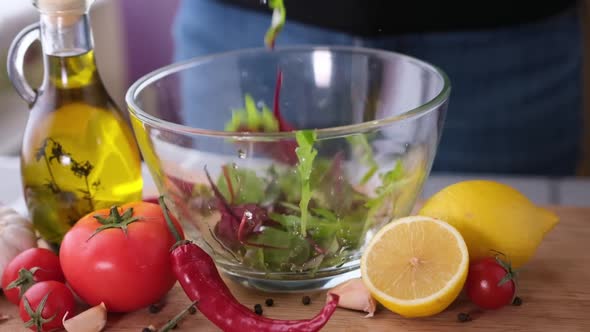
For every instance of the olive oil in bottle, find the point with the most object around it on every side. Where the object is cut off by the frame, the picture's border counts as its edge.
(78, 153)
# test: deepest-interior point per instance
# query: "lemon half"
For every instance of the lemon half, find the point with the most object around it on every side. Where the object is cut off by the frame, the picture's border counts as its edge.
(415, 266)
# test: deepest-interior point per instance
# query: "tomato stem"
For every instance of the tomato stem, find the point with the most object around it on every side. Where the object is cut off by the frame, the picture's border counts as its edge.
(115, 220)
(36, 316)
(26, 279)
(510, 273)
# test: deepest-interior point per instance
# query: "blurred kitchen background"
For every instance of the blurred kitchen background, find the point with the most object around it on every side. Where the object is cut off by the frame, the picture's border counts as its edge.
(124, 54)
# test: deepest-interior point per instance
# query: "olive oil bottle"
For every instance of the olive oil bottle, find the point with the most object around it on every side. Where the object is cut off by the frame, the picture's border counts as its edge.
(78, 153)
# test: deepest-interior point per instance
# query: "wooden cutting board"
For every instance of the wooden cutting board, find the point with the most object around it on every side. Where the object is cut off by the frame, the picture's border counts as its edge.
(555, 288)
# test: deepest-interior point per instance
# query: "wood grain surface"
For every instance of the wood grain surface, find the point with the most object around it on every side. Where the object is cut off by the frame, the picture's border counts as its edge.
(554, 286)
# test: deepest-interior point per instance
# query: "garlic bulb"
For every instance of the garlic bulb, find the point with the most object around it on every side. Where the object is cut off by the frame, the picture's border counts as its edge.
(16, 235)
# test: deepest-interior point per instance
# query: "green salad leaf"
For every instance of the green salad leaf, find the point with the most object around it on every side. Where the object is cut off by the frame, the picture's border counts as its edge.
(279, 17)
(250, 118)
(322, 225)
(306, 155)
(284, 249)
(241, 186)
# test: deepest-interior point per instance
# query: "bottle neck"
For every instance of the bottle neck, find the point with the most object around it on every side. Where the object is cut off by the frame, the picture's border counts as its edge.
(66, 35)
(68, 51)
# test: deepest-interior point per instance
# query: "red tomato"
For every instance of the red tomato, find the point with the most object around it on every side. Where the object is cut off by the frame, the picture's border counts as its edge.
(151, 199)
(483, 283)
(37, 264)
(122, 259)
(59, 301)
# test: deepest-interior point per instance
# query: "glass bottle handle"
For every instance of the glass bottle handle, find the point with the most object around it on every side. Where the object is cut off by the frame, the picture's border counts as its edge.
(16, 60)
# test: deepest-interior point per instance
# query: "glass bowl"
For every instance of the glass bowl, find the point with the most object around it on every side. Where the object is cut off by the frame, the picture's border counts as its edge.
(291, 210)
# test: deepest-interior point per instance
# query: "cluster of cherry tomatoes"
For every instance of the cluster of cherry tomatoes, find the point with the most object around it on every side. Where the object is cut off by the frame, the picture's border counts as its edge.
(34, 281)
(118, 256)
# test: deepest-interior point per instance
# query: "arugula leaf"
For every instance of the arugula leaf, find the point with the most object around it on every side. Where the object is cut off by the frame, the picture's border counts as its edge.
(306, 154)
(290, 182)
(279, 16)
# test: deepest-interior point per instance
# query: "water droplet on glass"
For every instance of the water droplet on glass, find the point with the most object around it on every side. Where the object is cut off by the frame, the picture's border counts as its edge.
(260, 104)
(242, 154)
(248, 215)
(234, 166)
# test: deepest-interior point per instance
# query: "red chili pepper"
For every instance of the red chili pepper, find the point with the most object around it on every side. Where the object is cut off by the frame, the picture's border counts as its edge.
(197, 274)
(200, 280)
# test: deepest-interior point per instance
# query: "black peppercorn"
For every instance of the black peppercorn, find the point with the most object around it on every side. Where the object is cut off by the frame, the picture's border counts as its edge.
(147, 329)
(306, 300)
(192, 310)
(258, 309)
(269, 302)
(463, 317)
(517, 301)
(155, 308)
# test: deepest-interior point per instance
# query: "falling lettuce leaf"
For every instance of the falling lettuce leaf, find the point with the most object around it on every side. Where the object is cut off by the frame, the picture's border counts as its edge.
(279, 16)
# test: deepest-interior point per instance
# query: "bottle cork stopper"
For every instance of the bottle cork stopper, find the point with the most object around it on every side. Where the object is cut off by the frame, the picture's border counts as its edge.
(63, 12)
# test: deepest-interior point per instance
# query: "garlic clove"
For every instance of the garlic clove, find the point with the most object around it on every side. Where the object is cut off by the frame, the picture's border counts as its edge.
(91, 320)
(354, 295)
(16, 235)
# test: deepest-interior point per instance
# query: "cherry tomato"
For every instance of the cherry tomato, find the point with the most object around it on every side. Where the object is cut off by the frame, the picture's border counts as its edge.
(44, 305)
(120, 258)
(27, 268)
(490, 283)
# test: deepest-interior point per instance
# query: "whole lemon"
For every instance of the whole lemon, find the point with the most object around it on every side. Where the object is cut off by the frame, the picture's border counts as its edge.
(492, 216)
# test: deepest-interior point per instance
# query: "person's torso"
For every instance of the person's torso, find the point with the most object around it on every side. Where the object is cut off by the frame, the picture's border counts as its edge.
(386, 17)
